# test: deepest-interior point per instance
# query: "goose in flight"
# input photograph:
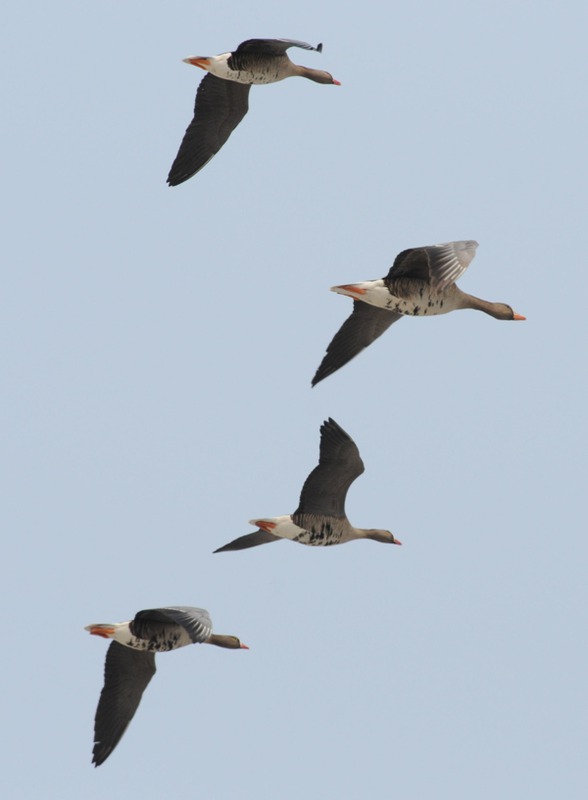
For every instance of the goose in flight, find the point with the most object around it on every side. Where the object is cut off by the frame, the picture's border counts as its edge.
(222, 99)
(320, 518)
(130, 663)
(420, 283)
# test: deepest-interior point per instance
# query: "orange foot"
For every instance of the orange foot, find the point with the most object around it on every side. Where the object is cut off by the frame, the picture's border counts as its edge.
(266, 525)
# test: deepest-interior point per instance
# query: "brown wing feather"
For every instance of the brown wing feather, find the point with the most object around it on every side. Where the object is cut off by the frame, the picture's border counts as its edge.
(127, 673)
(326, 487)
(220, 106)
(249, 540)
(273, 47)
(438, 264)
(363, 327)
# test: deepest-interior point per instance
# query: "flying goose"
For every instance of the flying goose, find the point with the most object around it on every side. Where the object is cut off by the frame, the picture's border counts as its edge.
(222, 98)
(320, 517)
(130, 663)
(421, 282)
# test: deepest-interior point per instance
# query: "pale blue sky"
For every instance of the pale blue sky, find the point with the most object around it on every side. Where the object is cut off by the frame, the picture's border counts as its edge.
(158, 347)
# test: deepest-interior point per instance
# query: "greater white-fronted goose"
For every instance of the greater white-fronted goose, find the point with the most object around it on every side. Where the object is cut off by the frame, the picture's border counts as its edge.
(320, 518)
(222, 98)
(420, 283)
(130, 663)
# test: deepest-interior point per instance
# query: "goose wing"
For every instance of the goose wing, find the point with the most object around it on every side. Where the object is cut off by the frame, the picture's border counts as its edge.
(127, 673)
(325, 489)
(220, 106)
(359, 330)
(438, 264)
(249, 540)
(195, 621)
(274, 47)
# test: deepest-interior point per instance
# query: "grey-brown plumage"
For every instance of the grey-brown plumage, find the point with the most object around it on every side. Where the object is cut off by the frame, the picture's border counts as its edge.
(220, 106)
(130, 663)
(222, 99)
(126, 676)
(325, 489)
(421, 282)
(320, 518)
(363, 327)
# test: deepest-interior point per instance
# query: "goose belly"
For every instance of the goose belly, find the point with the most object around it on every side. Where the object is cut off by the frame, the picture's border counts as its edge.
(263, 75)
(320, 534)
(416, 308)
(170, 637)
(225, 67)
(419, 301)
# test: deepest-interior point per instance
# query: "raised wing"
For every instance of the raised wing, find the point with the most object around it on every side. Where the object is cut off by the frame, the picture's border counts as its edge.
(274, 47)
(195, 621)
(220, 106)
(127, 673)
(365, 324)
(326, 487)
(249, 540)
(439, 264)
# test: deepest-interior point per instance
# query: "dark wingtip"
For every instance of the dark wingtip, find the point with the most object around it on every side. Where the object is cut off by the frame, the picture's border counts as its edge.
(99, 758)
(319, 47)
(171, 181)
(330, 425)
(321, 374)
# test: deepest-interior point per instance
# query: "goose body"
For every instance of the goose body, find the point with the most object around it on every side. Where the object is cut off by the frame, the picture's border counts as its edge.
(251, 68)
(320, 518)
(405, 296)
(222, 99)
(130, 663)
(420, 283)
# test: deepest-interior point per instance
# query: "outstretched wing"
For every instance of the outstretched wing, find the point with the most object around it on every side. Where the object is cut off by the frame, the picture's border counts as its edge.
(220, 106)
(326, 487)
(195, 621)
(249, 540)
(439, 264)
(365, 324)
(274, 47)
(127, 673)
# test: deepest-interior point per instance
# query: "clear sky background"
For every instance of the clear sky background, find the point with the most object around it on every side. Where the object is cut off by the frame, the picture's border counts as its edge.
(157, 351)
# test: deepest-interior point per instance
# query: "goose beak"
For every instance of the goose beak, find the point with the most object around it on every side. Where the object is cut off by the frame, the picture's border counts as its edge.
(244, 647)
(518, 316)
(396, 541)
(197, 61)
(336, 83)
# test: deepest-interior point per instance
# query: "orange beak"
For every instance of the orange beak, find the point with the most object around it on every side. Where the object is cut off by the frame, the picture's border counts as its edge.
(197, 61)
(518, 316)
(244, 647)
(396, 541)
